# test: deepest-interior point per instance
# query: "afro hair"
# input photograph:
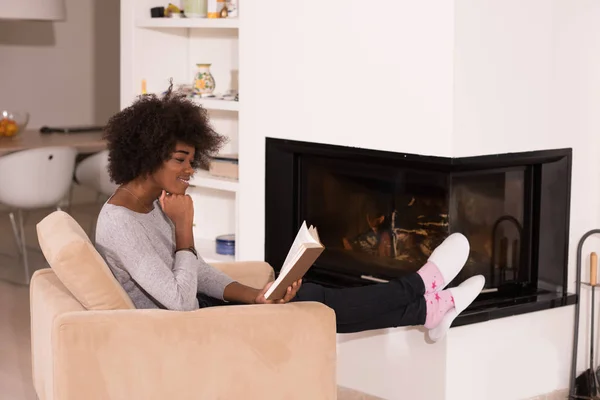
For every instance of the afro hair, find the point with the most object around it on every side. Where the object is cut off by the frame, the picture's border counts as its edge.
(144, 135)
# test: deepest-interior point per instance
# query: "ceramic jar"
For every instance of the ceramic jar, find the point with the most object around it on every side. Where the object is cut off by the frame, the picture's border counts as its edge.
(204, 83)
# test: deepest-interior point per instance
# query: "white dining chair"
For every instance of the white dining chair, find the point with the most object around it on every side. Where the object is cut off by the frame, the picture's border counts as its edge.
(33, 179)
(92, 173)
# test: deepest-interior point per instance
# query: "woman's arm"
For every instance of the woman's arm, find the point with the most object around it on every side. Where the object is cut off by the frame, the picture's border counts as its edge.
(173, 286)
(237, 292)
(212, 281)
(180, 210)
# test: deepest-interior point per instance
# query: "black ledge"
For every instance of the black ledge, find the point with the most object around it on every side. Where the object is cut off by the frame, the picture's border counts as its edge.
(515, 306)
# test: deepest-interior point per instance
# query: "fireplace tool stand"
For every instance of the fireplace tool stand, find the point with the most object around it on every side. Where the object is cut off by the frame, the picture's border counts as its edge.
(593, 382)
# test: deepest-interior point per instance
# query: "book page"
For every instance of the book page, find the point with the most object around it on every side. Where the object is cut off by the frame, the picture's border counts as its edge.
(306, 257)
(302, 236)
(283, 273)
(315, 235)
(306, 238)
(295, 245)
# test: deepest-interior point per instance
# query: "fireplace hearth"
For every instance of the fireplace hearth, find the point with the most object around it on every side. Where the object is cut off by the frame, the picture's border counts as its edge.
(381, 214)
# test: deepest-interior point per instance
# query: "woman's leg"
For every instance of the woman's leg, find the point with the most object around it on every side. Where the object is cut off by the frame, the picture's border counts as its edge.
(207, 301)
(356, 304)
(416, 299)
(398, 303)
(383, 305)
(413, 314)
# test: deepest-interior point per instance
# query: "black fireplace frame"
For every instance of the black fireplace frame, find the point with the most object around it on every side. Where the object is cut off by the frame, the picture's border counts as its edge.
(282, 209)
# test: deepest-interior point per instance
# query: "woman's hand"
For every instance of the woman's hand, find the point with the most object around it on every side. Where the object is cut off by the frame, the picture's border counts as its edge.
(179, 208)
(289, 294)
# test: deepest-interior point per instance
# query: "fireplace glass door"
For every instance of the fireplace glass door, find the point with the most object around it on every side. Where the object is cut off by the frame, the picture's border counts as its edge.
(388, 221)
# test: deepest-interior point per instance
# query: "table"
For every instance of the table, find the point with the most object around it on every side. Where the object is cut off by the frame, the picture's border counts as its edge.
(84, 143)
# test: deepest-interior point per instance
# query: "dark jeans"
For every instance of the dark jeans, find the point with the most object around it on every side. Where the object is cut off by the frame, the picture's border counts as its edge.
(383, 305)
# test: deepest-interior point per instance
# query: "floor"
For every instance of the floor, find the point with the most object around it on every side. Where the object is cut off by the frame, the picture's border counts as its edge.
(15, 354)
(15, 363)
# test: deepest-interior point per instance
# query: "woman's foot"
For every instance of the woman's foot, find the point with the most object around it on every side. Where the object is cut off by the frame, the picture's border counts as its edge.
(462, 295)
(438, 305)
(445, 263)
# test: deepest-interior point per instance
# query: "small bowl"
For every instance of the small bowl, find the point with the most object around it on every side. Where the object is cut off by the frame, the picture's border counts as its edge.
(12, 122)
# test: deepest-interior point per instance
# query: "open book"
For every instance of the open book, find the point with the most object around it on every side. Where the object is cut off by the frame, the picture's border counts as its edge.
(302, 254)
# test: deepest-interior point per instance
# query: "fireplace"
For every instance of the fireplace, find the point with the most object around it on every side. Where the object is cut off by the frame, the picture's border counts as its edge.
(380, 214)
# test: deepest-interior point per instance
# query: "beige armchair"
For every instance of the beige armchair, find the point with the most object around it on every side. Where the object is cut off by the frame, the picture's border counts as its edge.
(88, 342)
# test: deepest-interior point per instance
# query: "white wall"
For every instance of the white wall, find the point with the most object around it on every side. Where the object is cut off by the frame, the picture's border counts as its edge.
(527, 78)
(326, 72)
(463, 78)
(63, 73)
(503, 77)
(396, 364)
(510, 358)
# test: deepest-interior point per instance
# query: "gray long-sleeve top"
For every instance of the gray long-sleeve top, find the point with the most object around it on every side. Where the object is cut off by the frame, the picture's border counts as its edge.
(140, 251)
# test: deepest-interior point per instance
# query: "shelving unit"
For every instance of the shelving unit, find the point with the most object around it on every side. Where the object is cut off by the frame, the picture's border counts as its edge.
(187, 23)
(160, 49)
(217, 105)
(207, 248)
(223, 105)
(203, 179)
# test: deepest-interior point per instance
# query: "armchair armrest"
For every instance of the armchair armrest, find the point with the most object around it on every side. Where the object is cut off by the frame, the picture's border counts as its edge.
(231, 352)
(48, 299)
(255, 274)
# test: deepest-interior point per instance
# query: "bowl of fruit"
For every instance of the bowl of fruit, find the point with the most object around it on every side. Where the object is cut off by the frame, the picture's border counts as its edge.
(12, 123)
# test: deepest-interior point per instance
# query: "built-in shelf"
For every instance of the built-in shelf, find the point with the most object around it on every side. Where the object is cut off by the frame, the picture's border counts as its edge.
(203, 179)
(188, 41)
(208, 250)
(213, 104)
(188, 23)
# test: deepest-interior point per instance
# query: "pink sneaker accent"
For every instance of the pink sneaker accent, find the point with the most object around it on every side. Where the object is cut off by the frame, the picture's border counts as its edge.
(432, 277)
(438, 304)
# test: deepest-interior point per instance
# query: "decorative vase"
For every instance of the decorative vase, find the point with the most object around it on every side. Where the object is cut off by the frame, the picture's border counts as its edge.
(204, 83)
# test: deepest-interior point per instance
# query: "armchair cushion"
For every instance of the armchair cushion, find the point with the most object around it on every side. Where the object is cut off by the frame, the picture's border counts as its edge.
(240, 352)
(78, 265)
(234, 352)
(255, 274)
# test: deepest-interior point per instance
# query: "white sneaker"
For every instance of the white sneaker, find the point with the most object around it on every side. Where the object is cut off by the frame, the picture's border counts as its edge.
(450, 257)
(463, 295)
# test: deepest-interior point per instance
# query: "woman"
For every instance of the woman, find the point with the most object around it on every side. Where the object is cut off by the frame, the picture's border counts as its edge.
(144, 233)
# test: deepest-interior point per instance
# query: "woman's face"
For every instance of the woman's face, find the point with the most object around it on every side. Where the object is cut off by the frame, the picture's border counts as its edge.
(175, 173)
